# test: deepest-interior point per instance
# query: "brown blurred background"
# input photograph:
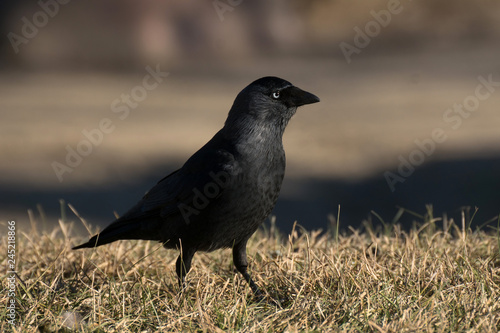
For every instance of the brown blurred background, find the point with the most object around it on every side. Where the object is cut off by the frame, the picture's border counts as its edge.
(64, 63)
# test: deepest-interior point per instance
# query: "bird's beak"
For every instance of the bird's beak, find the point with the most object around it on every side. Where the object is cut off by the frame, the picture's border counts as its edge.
(300, 97)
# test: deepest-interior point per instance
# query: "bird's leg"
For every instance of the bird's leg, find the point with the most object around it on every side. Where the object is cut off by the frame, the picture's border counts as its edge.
(241, 264)
(183, 265)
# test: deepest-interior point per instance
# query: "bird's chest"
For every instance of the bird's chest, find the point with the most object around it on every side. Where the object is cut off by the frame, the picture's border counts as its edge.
(270, 172)
(264, 174)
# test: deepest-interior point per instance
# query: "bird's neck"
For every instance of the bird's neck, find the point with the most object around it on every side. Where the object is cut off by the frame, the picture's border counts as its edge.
(249, 130)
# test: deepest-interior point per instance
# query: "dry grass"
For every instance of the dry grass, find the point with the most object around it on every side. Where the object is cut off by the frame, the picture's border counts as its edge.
(388, 281)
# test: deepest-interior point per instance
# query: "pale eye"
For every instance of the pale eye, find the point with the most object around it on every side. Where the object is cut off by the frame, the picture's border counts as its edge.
(276, 95)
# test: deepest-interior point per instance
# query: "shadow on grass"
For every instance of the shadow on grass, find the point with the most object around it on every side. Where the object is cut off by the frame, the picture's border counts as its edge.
(448, 185)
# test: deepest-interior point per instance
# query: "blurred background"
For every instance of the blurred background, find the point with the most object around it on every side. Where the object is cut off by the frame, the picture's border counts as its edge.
(389, 75)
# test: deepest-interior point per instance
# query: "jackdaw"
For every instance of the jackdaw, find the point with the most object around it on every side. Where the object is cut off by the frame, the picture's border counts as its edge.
(225, 191)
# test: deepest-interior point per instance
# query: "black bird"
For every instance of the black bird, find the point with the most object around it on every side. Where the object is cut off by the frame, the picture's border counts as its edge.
(225, 190)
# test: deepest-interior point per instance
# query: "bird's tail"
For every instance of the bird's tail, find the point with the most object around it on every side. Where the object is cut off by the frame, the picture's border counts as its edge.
(93, 242)
(122, 229)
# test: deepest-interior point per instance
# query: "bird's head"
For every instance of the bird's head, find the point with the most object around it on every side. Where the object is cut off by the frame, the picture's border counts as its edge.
(269, 100)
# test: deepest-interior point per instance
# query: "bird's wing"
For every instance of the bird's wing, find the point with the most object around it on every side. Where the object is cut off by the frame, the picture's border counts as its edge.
(207, 173)
(158, 215)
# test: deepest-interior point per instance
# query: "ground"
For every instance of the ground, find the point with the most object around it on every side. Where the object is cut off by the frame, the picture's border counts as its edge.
(428, 279)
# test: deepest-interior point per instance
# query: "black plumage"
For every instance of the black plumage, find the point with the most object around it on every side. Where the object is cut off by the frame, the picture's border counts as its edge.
(225, 190)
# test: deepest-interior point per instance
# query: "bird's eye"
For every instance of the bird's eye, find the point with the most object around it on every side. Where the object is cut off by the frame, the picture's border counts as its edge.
(276, 95)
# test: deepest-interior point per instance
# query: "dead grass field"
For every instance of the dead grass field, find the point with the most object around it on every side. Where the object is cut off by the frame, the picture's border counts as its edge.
(425, 280)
